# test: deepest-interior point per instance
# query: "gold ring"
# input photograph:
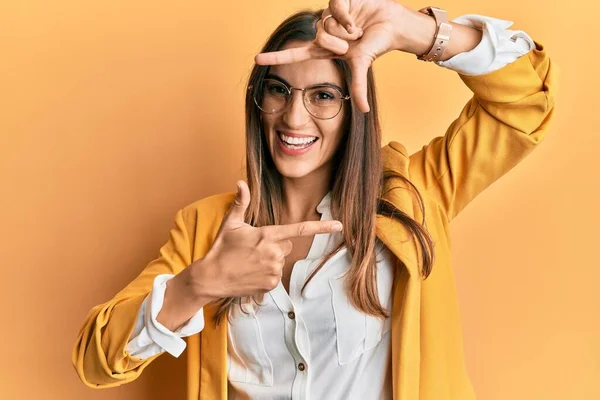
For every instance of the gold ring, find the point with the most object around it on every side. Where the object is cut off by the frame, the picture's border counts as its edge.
(325, 20)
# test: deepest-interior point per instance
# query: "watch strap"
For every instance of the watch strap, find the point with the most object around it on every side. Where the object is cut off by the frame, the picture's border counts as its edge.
(442, 34)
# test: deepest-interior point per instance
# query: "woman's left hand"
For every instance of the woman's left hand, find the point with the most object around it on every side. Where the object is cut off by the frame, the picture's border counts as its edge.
(358, 31)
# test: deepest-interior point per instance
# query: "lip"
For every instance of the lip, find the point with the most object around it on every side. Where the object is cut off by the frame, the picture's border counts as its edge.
(293, 152)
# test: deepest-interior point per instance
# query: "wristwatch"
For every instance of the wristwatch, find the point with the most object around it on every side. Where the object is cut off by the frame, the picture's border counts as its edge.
(442, 34)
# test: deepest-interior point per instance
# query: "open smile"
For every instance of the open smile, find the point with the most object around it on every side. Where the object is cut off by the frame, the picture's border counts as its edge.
(293, 145)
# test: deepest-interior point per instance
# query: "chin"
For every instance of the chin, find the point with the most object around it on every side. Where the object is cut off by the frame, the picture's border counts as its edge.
(294, 170)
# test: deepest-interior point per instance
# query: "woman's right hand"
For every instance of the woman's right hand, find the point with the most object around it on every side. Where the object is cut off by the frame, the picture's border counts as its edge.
(245, 260)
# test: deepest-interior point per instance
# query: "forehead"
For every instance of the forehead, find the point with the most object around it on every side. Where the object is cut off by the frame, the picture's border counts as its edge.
(308, 72)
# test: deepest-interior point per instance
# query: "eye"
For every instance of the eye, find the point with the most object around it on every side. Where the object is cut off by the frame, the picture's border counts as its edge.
(275, 89)
(323, 96)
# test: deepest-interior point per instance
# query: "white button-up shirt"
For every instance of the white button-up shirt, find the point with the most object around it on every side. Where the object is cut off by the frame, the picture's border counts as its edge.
(315, 344)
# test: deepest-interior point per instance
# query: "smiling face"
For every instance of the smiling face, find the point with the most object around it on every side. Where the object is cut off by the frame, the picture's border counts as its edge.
(301, 145)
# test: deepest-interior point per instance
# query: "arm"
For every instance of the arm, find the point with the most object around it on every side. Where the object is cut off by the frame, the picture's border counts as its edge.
(505, 120)
(99, 355)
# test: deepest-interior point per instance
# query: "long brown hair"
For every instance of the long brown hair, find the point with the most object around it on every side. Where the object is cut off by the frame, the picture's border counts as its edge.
(356, 185)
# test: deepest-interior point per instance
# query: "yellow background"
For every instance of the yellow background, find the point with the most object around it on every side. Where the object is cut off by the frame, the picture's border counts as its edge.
(115, 114)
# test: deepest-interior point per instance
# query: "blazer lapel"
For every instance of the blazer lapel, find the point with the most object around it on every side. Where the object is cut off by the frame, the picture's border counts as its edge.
(406, 306)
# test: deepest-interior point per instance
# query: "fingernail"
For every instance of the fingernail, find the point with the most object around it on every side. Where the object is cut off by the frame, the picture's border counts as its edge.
(361, 33)
(337, 227)
(349, 28)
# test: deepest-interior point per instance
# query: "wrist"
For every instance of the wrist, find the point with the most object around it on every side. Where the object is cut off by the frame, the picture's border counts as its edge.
(415, 33)
(195, 283)
(180, 302)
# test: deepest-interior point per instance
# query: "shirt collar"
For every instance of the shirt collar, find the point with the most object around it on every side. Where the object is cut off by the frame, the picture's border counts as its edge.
(324, 205)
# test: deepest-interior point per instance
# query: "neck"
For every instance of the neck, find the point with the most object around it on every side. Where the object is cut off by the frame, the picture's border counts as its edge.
(301, 196)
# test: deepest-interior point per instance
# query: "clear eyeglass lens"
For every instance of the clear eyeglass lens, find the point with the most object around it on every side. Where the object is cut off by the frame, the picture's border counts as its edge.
(274, 96)
(323, 102)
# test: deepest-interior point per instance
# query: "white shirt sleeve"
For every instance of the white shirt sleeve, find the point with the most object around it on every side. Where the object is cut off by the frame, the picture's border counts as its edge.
(150, 337)
(499, 46)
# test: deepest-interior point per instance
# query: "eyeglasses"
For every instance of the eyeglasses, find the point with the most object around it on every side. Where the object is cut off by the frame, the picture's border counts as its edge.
(323, 101)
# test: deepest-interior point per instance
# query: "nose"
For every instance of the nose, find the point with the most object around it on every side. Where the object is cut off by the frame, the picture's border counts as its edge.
(296, 115)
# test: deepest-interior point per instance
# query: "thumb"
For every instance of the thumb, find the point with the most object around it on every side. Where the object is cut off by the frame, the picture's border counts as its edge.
(240, 203)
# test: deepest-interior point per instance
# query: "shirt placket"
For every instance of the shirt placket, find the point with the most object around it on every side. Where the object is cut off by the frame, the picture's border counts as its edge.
(296, 339)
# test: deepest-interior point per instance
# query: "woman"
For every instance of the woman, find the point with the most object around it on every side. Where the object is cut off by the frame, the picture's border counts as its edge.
(276, 298)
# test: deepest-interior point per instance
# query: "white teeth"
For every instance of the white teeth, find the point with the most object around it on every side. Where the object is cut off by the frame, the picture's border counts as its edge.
(297, 140)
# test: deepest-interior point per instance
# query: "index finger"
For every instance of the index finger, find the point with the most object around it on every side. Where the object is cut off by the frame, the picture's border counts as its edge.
(301, 229)
(292, 55)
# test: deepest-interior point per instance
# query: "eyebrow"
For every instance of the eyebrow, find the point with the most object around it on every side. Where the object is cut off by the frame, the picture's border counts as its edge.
(280, 79)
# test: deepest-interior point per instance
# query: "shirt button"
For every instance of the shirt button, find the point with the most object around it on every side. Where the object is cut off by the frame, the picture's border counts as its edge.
(301, 366)
(291, 315)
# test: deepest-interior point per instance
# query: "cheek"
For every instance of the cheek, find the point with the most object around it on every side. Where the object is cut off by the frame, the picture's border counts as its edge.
(333, 134)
